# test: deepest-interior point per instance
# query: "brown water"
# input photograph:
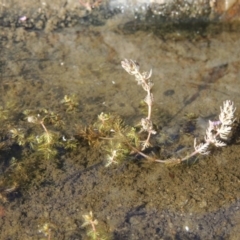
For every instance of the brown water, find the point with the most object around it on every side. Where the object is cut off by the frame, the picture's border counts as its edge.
(194, 71)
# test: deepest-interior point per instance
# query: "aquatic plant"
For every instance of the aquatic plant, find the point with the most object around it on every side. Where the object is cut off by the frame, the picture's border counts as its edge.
(70, 102)
(27, 144)
(217, 133)
(90, 222)
(44, 142)
(120, 141)
(46, 229)
(112, 135)
(144, 80)
(43, 133)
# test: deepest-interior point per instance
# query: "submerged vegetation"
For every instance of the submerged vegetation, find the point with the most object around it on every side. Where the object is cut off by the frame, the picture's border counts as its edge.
(30, 138)
(94, 232)
(121, 141)
(41, 134)
(113, 136)
(37, 136)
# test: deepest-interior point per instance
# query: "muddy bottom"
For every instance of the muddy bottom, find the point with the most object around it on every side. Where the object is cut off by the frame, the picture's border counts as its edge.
(193, 73)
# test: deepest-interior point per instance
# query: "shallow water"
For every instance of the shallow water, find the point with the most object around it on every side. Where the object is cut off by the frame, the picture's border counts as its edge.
(194, 71)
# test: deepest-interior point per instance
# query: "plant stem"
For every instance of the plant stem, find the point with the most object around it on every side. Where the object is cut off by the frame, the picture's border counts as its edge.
(45, 129)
